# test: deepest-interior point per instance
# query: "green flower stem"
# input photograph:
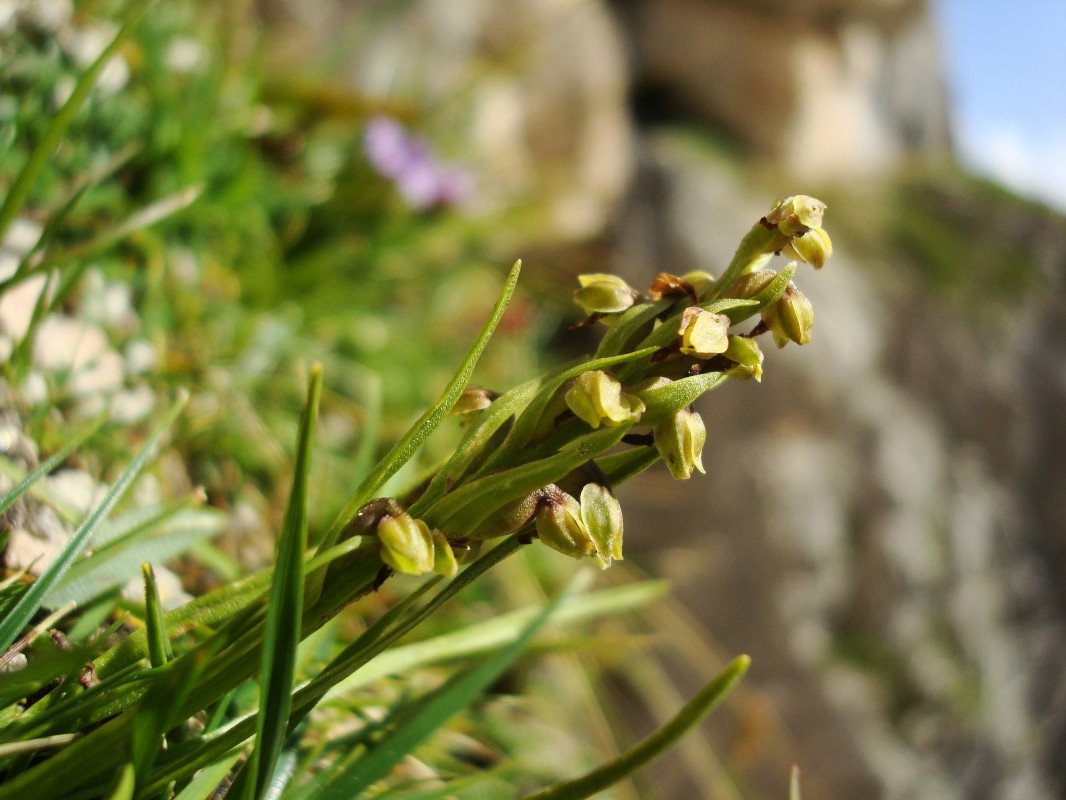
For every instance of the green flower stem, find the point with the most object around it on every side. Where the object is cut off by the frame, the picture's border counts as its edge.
(417, 434)
(629, 324)
(755, 249)
(460, 511)
(654, 745)
(527, 423)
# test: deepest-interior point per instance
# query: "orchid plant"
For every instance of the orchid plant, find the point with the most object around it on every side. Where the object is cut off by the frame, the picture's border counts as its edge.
(155, 703)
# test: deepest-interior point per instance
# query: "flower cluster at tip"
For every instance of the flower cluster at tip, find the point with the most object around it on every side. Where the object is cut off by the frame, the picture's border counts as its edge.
(535, 458)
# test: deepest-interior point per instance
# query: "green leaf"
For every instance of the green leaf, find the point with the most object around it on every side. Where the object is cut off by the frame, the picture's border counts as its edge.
(662, 403)
(620, 467)
(476, 439)
(460, 511)
(31, 600)
(207, 780)
(487, 636)
(124, 783)
(527, 422)
(629, 324)
(430, 715)
(33, 745)
(654, 745)
(160, 710)
(284, 617)
(409, 444)
(159, 652)
(372, 643)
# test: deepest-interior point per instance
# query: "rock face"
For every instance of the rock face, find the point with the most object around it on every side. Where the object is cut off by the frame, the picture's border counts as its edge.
(879, 529)
(829, 89)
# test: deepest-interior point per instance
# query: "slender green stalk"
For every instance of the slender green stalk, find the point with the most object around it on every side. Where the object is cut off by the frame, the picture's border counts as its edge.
(285, 611)
(159, 651)
(654, 745)
(402, 452)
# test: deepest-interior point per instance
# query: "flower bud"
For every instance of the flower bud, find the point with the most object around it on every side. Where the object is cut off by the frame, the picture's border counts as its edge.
(601, 293)
(814, 247)
(666, 283)
(560, 527)
(406, 544)
(472, 400)
(679, 441)
(699, 279)
(748, 356)
(601, 514)
(794, 215)
(444, 562)
(507, 519)
(703, 333)
(597, 398)
(745, 287)
(791, 318)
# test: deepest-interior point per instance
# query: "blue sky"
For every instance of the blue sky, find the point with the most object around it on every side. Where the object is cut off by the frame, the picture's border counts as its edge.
(1006, 64)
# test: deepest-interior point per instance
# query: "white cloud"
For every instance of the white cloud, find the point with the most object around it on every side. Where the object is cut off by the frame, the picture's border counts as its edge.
(1031, 164)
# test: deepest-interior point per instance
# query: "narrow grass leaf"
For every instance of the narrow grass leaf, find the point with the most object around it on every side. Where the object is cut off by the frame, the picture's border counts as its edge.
(33, 745)
(159, 651)
(654, 745)
(487, 636)
(30, 601)
(460, 511)
(359, 653)
(42, 152)
(284, 617)
(430, 715)
(402, 452)
(51, 463)
(125, 783)
(207, 780)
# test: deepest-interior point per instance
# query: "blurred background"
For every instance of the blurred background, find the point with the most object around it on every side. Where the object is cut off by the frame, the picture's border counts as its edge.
(883, 522)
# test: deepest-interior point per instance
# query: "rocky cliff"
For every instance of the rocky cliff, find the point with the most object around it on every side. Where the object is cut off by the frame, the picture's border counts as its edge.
(883, 526)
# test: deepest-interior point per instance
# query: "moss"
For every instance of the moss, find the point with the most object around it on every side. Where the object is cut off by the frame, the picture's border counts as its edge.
(969, 238)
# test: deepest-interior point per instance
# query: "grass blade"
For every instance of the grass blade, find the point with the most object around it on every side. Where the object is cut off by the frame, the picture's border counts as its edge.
(430, 715)
(654, 745)
(54, 461)
(207, 780)
(33, 745)
(487, 636)
(44, 149)
(402, 452)
(159, 652)
(282, 633)
(30, 601)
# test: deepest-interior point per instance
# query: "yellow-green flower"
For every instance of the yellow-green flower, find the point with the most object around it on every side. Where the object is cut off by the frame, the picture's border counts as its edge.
(598, 399)
(703, 333)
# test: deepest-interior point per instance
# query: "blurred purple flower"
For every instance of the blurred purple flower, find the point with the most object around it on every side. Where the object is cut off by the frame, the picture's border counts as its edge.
(423, 181)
